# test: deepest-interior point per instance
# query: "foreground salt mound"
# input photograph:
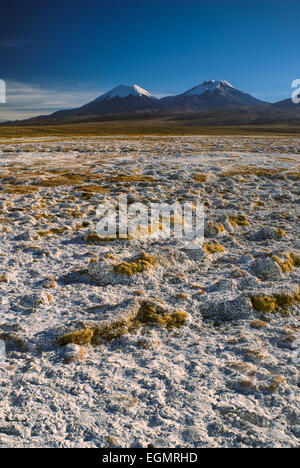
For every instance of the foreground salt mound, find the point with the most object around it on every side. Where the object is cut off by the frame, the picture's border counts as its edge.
(268, 233)
(275, 266)
(265, 300)
(106, 270)
(266, 269)
(271, 299)
(36, 300)
(122, 320)
(214, 229)
(230, 309)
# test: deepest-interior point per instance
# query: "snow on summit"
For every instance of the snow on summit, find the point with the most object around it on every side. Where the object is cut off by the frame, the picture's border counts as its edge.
(123, 91)
(209, 86)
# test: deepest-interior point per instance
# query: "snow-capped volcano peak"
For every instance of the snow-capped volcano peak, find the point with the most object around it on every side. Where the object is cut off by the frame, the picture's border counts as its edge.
(212, 94)
(123, 91)
(211, 86)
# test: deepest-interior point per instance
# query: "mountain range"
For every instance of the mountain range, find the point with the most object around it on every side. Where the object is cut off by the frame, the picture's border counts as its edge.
(212, 102)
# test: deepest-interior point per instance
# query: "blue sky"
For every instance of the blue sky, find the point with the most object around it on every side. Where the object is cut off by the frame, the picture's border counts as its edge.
(61, 54)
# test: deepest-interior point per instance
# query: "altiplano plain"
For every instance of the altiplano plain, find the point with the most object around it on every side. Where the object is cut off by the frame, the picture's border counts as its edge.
(126, 343)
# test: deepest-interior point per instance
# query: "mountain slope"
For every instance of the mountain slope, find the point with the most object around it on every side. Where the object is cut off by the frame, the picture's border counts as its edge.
(287, 104)
(122, 91)
(212, 94)
(119, 100)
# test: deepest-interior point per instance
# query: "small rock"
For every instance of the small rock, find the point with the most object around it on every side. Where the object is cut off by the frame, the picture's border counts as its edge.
(74, 353)
(266, 269)
(49, 282)
(268, 233)
(37, 299)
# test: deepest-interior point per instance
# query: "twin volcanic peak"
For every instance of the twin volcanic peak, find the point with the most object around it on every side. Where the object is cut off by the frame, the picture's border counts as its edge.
(134, 99)
(207, 95)
(122, 101)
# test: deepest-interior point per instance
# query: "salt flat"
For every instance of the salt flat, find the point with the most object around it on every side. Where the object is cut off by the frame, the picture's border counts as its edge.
(191, 348)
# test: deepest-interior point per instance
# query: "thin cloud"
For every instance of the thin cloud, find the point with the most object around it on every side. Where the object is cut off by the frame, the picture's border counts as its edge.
(12, 43)
(27, 100)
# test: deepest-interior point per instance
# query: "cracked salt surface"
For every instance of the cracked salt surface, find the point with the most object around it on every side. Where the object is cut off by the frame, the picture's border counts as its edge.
(224, 378)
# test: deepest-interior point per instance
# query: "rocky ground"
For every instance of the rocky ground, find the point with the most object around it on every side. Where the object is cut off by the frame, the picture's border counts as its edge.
(127, 343)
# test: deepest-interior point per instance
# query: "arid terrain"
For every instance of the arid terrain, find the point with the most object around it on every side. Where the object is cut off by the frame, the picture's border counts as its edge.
(126, 343)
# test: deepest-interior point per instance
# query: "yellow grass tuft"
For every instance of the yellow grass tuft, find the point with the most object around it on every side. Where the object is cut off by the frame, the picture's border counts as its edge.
(215, 228)
(200, 177)
(130, 178)
(80, 337)
(141, 264)
(265, 304)
(114, 330)
(94, 237)
(258, 324)
(238, 220)
(149, 314)
(182, 296)
(247, 384)
(295, 258)
(90, 189)
(243, 367)
(268, 304)
(285, 299)
(75, 214)
(286, 262)
(211, 248)
(14, 339)
(277, 381)
(252, 171)
(145, 316)
(61, 178)
(52, 231)
(19, 189)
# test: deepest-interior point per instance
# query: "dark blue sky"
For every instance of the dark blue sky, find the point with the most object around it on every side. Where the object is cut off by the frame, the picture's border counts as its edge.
(56, 54)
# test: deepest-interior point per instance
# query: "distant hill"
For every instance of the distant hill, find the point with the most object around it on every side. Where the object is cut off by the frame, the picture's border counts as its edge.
(287, 104)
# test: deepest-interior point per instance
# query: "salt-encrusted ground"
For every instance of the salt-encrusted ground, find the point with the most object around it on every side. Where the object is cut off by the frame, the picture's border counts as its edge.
(228, 377)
